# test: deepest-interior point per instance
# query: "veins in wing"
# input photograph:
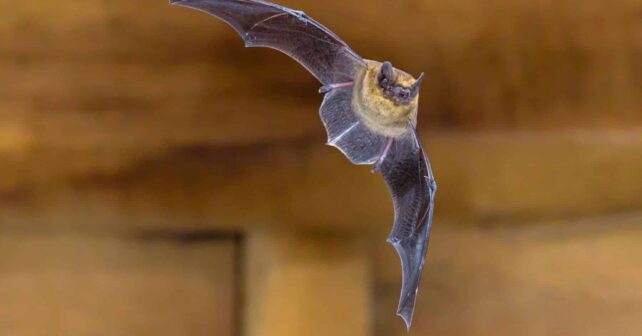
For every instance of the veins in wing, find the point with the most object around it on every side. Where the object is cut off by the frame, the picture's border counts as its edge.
(265, 24)
(409, 178)
(344, 127)
(405, 182)
(425, 174)
(263, 21)
(410, 181)
(302, 17)
(340, 136)
(251, 38)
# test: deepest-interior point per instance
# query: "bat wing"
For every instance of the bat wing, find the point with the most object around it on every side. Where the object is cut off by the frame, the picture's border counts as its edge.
(409, 177)
(346, 131)
(406, 168)
(264, 24)
(323, 53)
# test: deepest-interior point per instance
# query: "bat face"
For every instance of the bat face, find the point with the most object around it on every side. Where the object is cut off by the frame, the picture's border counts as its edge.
(386, 98)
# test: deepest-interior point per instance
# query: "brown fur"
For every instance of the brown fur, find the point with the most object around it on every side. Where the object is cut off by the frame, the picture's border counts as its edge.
(379, 113)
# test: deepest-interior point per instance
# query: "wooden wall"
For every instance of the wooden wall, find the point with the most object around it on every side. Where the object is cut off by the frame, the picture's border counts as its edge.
(125, 121)
(61, 283)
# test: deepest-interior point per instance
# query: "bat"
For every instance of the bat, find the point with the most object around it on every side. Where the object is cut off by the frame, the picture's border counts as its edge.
(369, 111)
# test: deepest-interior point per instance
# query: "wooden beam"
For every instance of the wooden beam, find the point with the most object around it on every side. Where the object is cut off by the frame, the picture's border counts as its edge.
(310, 283)
(65, 283)
(151, 75)
(487, 176)
(560, 277)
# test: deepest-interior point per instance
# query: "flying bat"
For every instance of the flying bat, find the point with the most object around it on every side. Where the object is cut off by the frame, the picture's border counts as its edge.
(369, 112)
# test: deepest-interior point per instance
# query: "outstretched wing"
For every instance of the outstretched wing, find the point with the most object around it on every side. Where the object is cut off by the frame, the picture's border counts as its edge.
(406, 169)
(323, 53)
(408, 174)
(264, 24)
(346, 131)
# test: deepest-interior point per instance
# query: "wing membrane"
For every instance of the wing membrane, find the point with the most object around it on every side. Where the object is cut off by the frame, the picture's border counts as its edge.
(346, 131)
(409, 177)
(406, 168)
(264, 24)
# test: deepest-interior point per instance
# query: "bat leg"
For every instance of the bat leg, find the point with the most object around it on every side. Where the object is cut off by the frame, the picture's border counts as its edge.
(382, 156)
(330, 87)
(420, 151)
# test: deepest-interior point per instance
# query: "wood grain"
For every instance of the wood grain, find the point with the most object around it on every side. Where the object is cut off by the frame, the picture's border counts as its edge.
(109, 89)
(152, 75)
(485, 176)
(75, 284)
(120, 117)
(562, 277)
(311, 283)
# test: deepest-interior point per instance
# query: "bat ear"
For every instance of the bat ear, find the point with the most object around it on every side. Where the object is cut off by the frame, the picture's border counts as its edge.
(417, 85)
(387, 69)
(386, 74)
(418, 81)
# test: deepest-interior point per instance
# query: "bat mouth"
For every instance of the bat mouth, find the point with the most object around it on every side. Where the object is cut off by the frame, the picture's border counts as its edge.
(399, 94)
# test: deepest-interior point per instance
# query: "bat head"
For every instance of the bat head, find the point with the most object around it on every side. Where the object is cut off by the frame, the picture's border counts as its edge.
(393, 89)
(385, 98)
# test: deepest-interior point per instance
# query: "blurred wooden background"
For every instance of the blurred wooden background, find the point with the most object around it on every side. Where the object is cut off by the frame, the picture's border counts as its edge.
(159, 179)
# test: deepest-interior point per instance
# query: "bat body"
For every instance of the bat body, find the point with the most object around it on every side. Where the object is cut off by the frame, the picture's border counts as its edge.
(369, 112)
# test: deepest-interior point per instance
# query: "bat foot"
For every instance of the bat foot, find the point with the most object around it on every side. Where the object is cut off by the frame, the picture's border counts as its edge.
(376, 168)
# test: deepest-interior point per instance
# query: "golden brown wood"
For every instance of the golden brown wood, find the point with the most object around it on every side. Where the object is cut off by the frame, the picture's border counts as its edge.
(125, 116)
(76, 284)
(307, 283)
(484, 175)
(109, 91)
(137, 77)
(563, 277)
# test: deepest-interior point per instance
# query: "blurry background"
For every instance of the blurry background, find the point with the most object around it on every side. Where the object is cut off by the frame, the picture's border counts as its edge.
(156, 178)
